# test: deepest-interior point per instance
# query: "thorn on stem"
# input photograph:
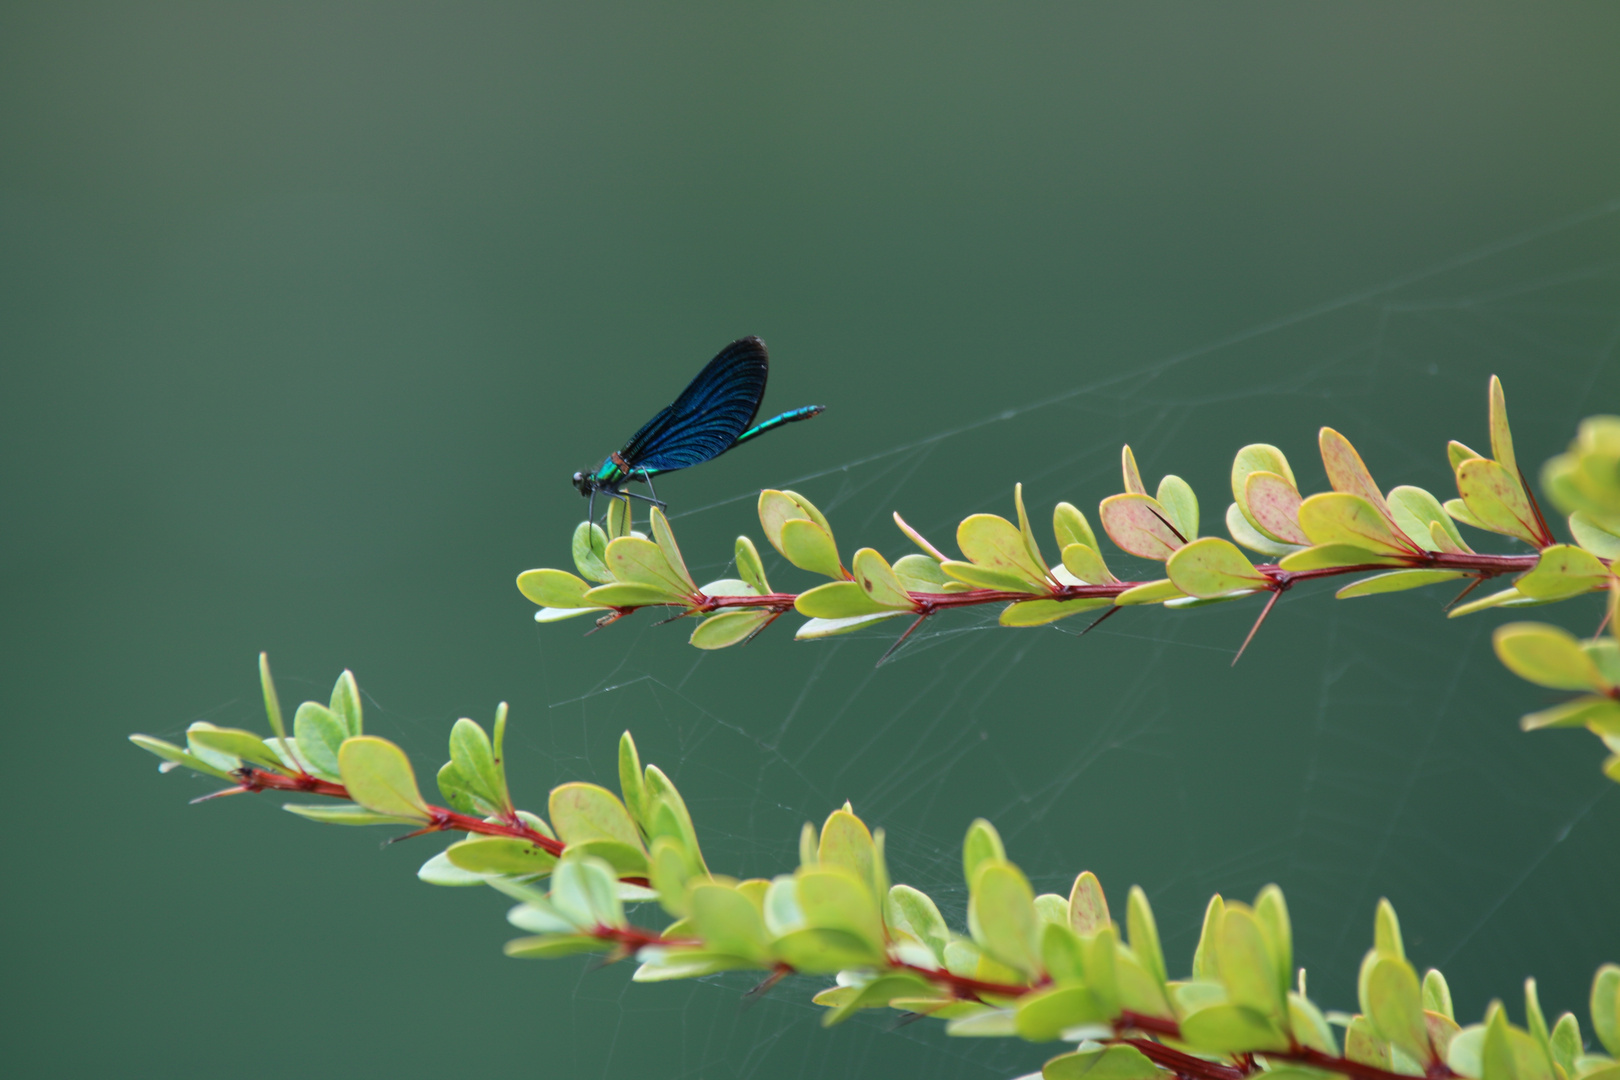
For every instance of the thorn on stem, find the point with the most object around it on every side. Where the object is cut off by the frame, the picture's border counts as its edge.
(1255, 629)
(1470, 587)
(1167, 524)
(1099, 620)
(901, 640)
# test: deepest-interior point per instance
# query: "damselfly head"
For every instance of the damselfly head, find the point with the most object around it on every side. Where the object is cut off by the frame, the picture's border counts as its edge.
(582, 483)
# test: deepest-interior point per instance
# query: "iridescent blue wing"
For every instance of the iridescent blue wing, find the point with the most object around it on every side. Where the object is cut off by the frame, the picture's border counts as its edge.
(711, 412)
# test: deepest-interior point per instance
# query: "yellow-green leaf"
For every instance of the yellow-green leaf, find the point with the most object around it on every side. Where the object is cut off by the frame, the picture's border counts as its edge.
(665, 539)
(1563, 570)
(379, 777)
(581, 812)
(553, 588)
(1212, 567)
(500, 855)
(728, 628)
(1501, 437)
(877, 578)
(1547, 656)
(1340, 518)
(1132, 475)
(1149, 592)
(1396, 581)
(1001, 916)
(622, 595)
(589, 548)
(1088, 907)
(1070, 526)
(837, 600)
(810, 547)
(749, 567)
(1176, 498)
(1042, 612)
(635, 561)
(816, 629)
(1086, 563)
(996, 544)
(1496, 500)
(1417, 513)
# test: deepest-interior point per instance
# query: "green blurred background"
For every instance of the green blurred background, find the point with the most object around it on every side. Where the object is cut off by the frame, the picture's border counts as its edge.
(308, 311)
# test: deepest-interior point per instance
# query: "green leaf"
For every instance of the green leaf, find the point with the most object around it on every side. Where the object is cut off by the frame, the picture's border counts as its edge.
(821, 951)
(1132, 476)
(1044, 1015)
(1565, 1043)
(669, 870)
(1605, 1006)
(1416, 512)
(1563, 570)
(1457, 510)
(993, 543)
(1212, 567)
(1457, 453)
(589, 546)
(838, 600)
(1104, 1063)
(1042, 612)
(1309, 1026)
(1139, 989)
(345, 703)
(1206, 960)
(919, 573)
(846, 842)
(581, 812)
(1340, 518)
(552, 614)
(912, 911)
(1591, 711)
(553, 588)
(1001, 916)
(1395, 581)
(1086, 564)
(1496, 500)
(1175, 496)
(1229, 1029)
(825, 628)
(235, 743)
(551, 946)
(272, 702)
(1144, 933)
(728, 922)
(878, 580)
(456, 790)
(729, 628)
(981, 844)
(500, 855)
(343, 814)
(619, 517)
(1062, 953)
(474, 758)
(628, 860)
(1070, 526)
(665, 539)
(1258, 457)
(1248, 536)
(172, 753)
(1395, 1007)
(1547, 656)
(439, 870)
(585, 890)
(1088, 908)
(980, 577)
(1593, 536)
(810, 547)
(777, 508)
(379, 777)
(1149, 592)
(319, 735)
(1437, 994)
(1247, 968)
(621, 595)
(1347, 473)
(833, 898)
(1139, 526)
(1387, 931)
(749, 566)
(991, 1024)
(1329, 556)
(1508, 597)
(880, 992)
(1102, 968)
(1501, 438)
(635, 561)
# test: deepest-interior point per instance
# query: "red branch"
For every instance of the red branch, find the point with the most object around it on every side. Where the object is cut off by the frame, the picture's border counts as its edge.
(440, 819)
(1177, 1061)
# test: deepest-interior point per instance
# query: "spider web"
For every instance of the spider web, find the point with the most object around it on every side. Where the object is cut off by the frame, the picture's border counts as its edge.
(1361, 749)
